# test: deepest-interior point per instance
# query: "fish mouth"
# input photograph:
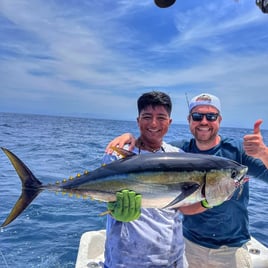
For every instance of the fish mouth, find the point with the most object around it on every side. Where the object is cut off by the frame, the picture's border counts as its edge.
(242, 174)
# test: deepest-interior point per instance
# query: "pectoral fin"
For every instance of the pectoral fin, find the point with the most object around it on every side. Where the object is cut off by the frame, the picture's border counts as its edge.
(187, 189)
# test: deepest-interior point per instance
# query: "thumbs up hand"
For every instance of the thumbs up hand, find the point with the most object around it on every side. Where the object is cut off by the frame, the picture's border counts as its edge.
(253, 143)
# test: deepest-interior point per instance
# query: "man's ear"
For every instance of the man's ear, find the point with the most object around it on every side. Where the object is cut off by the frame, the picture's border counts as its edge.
(220, 118)
(188, 118)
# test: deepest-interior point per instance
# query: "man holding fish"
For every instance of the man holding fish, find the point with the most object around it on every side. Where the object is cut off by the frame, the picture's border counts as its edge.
(154, 239)
(217, 237)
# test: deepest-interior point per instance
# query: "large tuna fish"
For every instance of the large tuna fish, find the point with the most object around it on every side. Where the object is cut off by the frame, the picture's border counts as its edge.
(163, 179)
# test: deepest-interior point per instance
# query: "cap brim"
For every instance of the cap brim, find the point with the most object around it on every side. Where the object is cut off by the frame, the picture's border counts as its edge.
(164, 3)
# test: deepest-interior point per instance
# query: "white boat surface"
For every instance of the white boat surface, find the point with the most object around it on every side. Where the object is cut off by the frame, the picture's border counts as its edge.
(91, 251)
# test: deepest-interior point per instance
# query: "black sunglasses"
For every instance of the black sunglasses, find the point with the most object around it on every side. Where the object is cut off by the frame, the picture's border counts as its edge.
(209, 116)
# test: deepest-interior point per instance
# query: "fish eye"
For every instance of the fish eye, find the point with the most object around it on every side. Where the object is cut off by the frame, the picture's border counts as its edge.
(234, 173)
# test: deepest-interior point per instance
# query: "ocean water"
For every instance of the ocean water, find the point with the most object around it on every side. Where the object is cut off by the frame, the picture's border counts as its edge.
(48, 232)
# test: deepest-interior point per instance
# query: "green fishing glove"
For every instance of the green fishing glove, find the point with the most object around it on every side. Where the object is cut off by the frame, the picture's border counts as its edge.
(127, 206)
(206, 204)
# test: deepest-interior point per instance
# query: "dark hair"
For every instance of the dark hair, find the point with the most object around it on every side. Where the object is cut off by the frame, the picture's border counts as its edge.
(154, 98)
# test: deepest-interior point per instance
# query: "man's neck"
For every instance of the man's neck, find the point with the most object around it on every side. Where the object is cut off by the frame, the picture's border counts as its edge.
(146, 146)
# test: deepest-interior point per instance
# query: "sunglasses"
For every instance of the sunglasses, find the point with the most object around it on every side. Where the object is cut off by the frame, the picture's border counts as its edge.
(209, 116)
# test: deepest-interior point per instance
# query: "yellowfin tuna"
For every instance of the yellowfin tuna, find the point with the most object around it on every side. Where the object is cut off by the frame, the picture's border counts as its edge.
(165, 180)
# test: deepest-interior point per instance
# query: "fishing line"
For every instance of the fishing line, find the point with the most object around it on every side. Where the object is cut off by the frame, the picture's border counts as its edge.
(187, 100)
(1, 253)
(4, 259)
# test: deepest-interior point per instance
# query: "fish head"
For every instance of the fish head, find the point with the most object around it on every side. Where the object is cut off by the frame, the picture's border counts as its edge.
(221, 184)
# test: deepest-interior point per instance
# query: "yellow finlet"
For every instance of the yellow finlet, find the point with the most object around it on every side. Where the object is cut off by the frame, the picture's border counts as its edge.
(105, 213)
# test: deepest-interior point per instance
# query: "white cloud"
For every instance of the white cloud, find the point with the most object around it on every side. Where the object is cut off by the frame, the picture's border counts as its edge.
(98, 56)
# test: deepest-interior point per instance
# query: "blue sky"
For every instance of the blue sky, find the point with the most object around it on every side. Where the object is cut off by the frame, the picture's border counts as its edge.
(95, 58)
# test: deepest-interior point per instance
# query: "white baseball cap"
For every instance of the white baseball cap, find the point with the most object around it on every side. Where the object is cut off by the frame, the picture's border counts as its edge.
(205, 99)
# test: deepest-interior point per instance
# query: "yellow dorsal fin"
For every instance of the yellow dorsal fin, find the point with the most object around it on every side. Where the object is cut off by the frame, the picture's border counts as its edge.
(124, 153)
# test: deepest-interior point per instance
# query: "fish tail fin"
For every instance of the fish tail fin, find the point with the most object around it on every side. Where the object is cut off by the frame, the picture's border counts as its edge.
(31, 187)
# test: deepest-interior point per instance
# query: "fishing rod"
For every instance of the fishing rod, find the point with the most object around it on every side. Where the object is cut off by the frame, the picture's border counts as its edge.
(262, 4)
(187, 100)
